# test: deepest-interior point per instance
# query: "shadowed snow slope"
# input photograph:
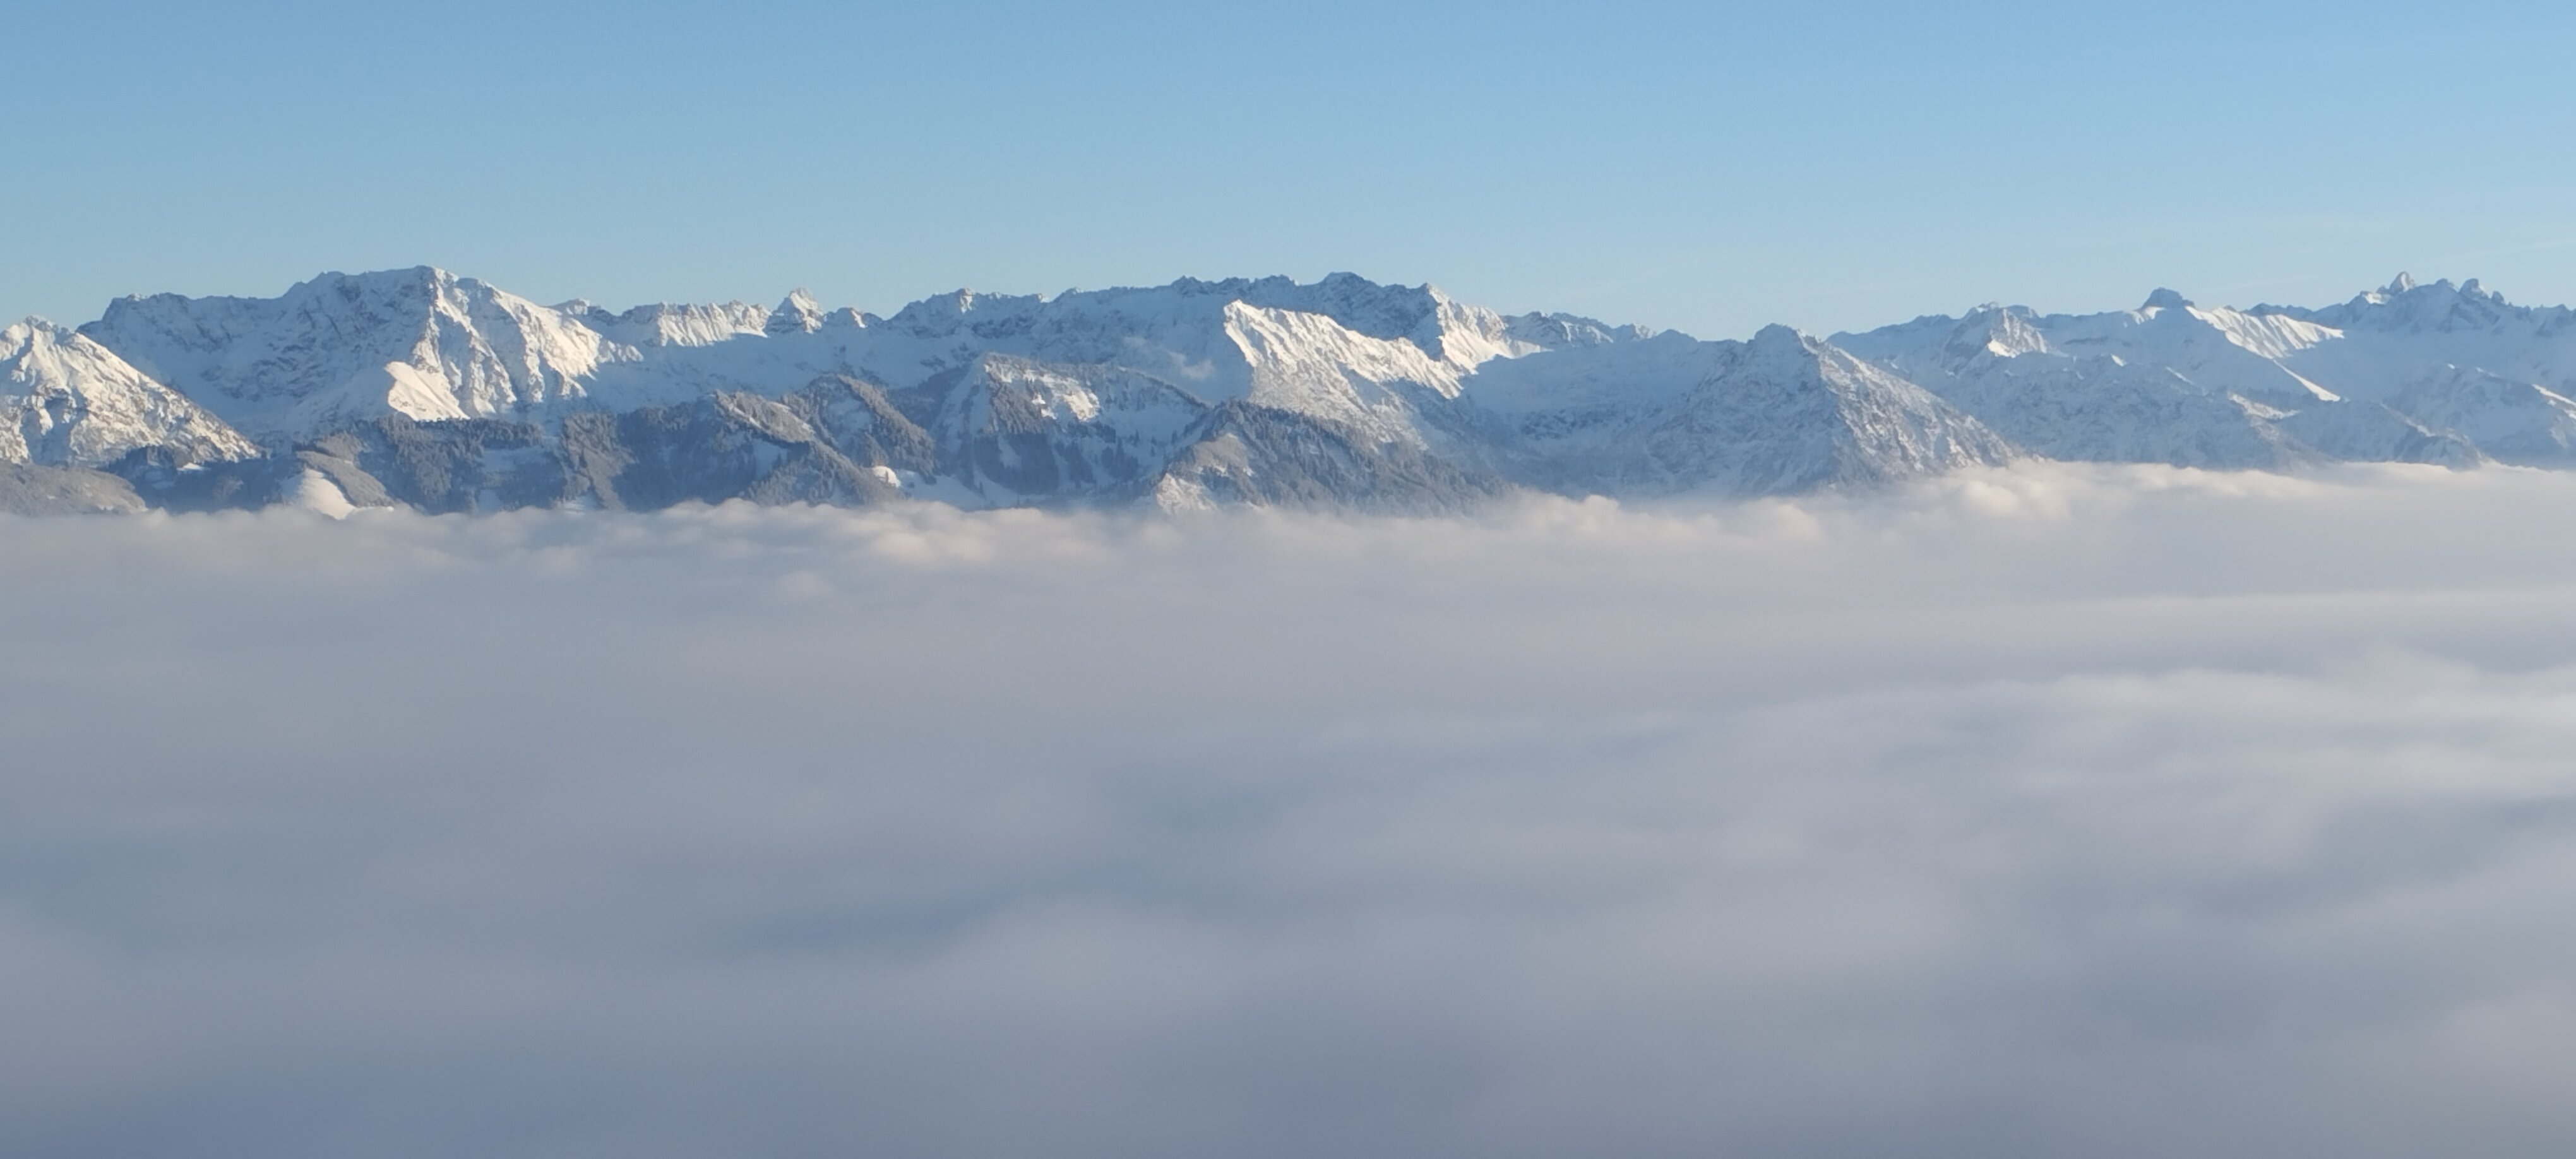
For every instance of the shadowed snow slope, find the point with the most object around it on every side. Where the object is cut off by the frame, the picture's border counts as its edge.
(1414, 402)
(2434, 374)
(1782, 414)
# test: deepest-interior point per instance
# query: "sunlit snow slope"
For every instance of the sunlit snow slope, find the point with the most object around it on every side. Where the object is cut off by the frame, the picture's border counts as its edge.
(421, 388)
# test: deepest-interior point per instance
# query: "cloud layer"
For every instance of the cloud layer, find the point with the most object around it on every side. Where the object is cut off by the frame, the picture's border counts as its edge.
(2052, 811)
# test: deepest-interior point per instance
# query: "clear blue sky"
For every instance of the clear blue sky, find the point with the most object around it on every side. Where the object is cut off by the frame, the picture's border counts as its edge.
(1703, 166)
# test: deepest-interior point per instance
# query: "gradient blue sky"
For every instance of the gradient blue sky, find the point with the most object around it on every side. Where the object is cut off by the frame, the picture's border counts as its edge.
(1703, 166)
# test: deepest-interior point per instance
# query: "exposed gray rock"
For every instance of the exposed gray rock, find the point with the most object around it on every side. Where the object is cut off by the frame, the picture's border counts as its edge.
(167, 478)
(1243, 454)
(1779, 415)
(1015, 430)
(727, 446)
(420, 389)
(864, 424)
(30, 489)
(461, 465)
(335, 458)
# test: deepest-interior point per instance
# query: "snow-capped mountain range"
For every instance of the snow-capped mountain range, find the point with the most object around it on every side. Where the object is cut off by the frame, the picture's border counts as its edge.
(420, 388)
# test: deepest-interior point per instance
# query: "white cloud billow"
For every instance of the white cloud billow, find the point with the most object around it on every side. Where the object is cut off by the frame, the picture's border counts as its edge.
(2044, 812)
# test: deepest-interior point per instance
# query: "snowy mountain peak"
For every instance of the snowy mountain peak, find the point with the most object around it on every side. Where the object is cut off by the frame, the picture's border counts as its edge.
(343, 348)
(20, 339)
(411, 279)
(1342, 390)
(1561, 331)
(2412, 372)
(2436, 307)
(2400, 284)
(1776, 340)
(67, 401)
(965, 311)
(1994, 331)
(798, 314)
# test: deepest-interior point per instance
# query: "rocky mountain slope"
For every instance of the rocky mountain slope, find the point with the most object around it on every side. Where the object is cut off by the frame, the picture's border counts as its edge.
(66, 401)
(2410, 373)
(424, 389)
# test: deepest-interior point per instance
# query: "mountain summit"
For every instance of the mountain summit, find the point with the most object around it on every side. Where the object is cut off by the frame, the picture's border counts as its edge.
(421, 388)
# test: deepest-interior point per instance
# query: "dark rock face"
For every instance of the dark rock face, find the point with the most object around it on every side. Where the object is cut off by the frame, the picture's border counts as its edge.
(169, 479)
(835, 443)
(1019, 431)
(842, 441)
(725, 446)
(1341, 395)
(28, 489)
(1246, 454)
(864, 424)
(460, 466)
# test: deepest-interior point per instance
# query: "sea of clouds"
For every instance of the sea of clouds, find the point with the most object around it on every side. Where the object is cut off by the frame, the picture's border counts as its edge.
(2051, 811)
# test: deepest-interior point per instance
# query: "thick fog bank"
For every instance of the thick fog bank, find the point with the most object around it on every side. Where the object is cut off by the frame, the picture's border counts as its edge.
(2046, 812)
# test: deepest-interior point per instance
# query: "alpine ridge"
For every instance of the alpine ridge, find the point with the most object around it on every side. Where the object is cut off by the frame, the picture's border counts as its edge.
(418, 388)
